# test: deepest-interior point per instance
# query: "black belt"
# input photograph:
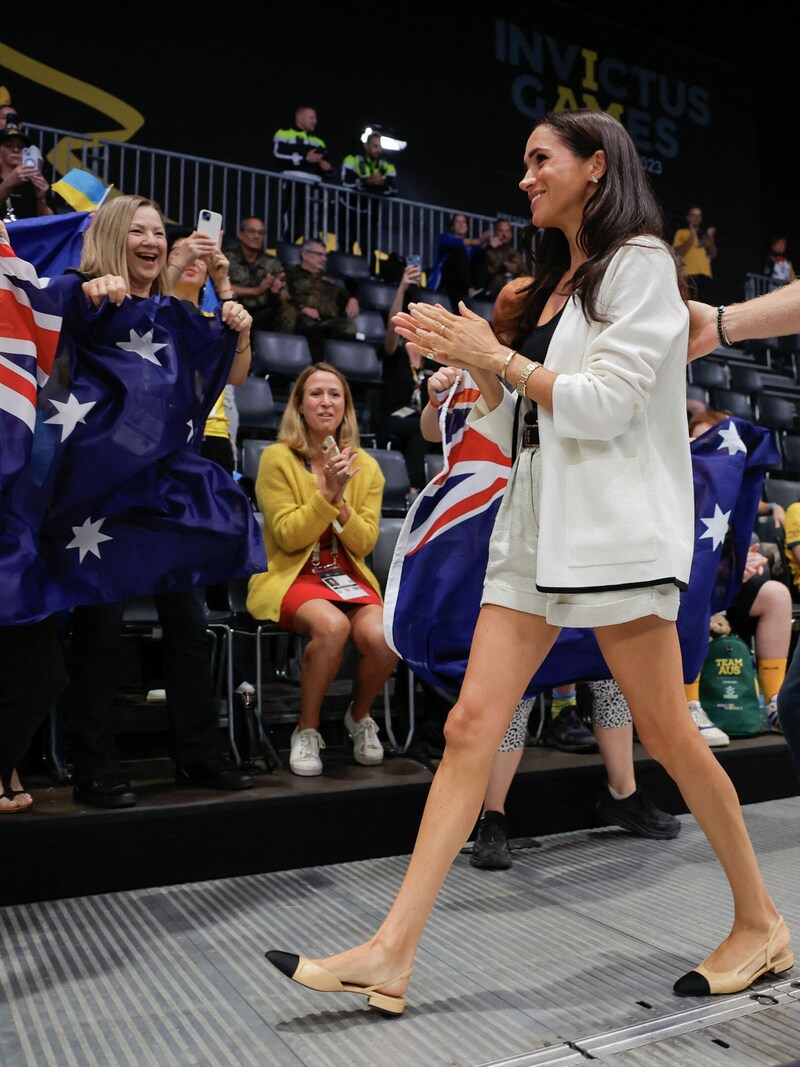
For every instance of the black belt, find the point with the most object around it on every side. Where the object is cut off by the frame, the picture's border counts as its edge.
(530, 436)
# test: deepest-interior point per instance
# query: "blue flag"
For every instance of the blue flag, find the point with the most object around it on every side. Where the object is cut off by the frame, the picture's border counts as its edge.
(103, 489)
(435, 583)
(52, 244)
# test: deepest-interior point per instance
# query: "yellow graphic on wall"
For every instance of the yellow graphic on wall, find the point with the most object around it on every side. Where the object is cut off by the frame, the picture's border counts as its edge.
(62, 157)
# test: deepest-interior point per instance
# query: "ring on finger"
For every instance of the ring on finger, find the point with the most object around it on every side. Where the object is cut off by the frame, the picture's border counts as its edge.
(441, 328)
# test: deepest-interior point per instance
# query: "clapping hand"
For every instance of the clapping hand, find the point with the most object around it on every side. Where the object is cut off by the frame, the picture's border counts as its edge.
(465, 340)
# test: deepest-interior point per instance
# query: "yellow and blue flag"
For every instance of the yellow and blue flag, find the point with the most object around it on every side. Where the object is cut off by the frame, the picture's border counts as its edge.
(81, 189)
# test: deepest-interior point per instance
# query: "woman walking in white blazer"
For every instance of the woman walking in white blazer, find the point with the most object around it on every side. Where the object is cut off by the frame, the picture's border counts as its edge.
(595, 530)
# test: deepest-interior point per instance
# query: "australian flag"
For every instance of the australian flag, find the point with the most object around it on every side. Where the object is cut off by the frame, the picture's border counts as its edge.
(103, 490)
(436, 579)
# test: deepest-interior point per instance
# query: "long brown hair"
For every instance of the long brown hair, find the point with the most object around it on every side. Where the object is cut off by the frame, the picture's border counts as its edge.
(293, 431)
(622, 207)
(104, 243)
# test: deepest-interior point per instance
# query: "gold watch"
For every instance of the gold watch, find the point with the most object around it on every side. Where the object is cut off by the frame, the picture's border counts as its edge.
(522, 381)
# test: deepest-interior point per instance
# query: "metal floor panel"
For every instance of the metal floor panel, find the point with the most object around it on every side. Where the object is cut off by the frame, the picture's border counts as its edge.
(567, 958)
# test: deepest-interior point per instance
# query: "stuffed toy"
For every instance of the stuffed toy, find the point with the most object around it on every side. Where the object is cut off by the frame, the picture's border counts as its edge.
(719, 625)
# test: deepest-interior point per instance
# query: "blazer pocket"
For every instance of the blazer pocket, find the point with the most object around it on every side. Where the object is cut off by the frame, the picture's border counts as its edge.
(608, 519)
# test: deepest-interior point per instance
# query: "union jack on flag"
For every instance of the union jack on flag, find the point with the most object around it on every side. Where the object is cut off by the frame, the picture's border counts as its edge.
(435, 582)
(103, 492)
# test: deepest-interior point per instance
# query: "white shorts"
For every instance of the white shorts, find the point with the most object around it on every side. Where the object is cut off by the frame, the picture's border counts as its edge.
(511, 571)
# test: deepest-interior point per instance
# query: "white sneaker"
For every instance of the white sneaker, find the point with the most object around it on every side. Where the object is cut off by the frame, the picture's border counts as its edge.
(156, 696)
(367, 749)
(304, 753)
(714, 737)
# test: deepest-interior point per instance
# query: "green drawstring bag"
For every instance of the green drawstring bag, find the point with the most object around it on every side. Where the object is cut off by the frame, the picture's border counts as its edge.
(728, 688)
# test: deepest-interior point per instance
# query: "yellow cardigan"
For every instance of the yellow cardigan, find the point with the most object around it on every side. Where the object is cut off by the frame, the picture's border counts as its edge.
(296, 514)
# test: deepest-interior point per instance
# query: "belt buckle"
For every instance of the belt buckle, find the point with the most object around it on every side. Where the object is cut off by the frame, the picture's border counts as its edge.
(530, 436)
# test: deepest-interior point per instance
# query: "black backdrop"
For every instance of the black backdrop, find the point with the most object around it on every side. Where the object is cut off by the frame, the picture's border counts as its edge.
(462, 88)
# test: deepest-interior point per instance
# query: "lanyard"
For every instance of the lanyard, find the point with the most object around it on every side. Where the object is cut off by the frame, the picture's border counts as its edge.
(316, 566)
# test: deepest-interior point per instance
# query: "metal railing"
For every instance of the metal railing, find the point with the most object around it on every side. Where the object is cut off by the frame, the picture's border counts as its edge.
(758, 284)
(290, 205)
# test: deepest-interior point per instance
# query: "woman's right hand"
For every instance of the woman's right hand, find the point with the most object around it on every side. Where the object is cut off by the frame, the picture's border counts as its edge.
(411, 276)
(107, 287)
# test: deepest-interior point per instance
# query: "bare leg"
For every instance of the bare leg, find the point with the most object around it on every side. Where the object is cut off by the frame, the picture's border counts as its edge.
(504, 768)
(644, 658)
(773, 609)
(328, 629)
(376, 660)
(616, 748)
(475, 727)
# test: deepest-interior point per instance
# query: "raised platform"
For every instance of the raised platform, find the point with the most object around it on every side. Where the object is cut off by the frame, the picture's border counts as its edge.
(177, 835)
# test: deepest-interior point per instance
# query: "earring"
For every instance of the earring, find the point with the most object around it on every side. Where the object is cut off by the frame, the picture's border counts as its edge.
(595, 179)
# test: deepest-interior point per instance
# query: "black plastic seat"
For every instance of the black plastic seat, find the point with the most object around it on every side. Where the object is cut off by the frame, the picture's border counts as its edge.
(738, 404)
(395, 492)
(482, 307)
(375, 294)
(279, 355)
(370, 326)
(288, 253)
(708, 373)
(777, 413)
(255, 407)
(347, 265)
(432, 296)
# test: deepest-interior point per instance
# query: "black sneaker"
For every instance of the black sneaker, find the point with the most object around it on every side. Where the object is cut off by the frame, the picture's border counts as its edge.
(638, 814)
(568, 732)
(109, 791)
(219, 773)
(490, 848)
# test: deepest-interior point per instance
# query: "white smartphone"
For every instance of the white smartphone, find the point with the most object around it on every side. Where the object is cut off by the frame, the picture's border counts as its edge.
(31, 156)
(210, 222)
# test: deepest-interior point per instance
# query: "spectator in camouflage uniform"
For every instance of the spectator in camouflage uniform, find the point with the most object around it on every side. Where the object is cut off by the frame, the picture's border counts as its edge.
(323, 308)
(503, 261)
(258, 280)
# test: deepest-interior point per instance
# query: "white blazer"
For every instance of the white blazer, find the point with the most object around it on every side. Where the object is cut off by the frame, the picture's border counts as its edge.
(617, 496)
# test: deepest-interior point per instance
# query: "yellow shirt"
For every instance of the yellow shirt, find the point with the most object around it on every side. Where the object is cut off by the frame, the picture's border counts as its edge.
(218, 423)
(696, 260)
(791, 535)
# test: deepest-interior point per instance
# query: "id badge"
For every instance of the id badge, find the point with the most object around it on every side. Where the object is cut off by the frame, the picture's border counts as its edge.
(342, 584)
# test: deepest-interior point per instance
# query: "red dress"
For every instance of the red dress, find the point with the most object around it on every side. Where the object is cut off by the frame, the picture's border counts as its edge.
(308, 585)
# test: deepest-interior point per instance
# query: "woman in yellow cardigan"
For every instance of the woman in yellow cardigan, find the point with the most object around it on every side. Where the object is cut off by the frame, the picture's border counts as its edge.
(320, 495)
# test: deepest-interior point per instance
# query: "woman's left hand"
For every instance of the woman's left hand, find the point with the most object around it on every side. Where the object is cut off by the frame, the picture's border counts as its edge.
(236, 317)
(464, 340)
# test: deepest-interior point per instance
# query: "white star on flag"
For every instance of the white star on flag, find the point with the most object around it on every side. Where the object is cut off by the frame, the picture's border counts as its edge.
(717, 527)
(88, 537)
(70, 414)
(731, 440)
(143, 346)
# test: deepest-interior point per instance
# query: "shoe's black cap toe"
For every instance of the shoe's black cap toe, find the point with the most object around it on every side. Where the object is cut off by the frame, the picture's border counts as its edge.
(286, 962)
(692, 984)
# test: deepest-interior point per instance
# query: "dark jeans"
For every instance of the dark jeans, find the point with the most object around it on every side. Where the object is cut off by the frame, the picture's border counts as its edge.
(789, 708)
(316, 330)
(94, 659)
(33, 675)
